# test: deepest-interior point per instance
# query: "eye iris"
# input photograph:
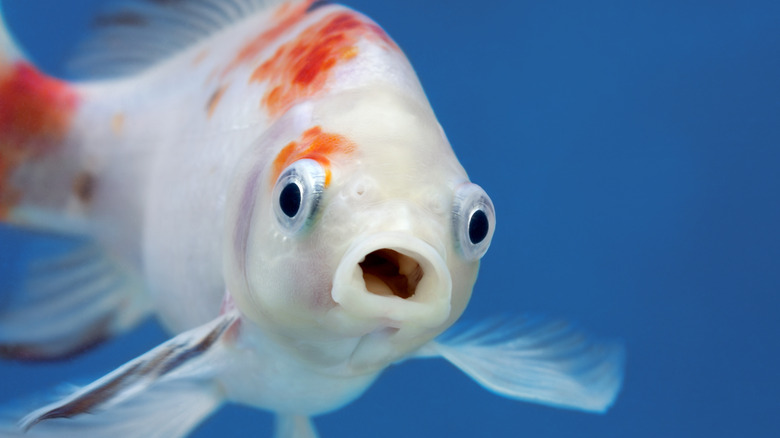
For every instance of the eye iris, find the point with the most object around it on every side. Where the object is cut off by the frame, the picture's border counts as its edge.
(478, 227)
(290, 199)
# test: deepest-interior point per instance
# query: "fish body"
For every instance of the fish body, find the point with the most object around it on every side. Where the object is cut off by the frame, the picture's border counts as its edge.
(279, 193)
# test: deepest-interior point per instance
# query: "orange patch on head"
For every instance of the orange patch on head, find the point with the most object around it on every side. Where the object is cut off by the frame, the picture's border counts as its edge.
(285, 17)
(35, 115)
(300, 68)
(349, 53)
(314, 145)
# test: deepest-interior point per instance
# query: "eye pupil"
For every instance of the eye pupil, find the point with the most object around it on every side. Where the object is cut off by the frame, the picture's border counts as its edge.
(290, 199)
(478, 227)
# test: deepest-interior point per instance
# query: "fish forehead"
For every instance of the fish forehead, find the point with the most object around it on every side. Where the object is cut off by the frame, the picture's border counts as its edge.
(227, 91)
(399, 143)
(367, 109)
(255, 71)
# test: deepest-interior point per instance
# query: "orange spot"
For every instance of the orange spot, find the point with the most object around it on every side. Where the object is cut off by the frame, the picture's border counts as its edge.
(300, 68)
(349, 53)
(118, 123)
(200, 57)
(285, 17)
(283, 10)
(35, 114)
(314, 145)
(216, 96)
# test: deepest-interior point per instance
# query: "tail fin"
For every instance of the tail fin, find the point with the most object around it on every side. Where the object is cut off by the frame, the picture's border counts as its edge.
(9, 51)
(35, 119)
(62, 303)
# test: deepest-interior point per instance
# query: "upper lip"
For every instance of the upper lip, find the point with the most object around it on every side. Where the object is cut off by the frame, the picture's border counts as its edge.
(393, 277)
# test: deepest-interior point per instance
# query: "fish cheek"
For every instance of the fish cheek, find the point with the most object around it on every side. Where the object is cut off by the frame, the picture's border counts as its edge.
(289, 280)
(313, 281)
(464, 275)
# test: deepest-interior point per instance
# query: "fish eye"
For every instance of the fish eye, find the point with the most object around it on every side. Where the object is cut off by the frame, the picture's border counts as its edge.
(478, 227)
(297, 194)
(474, 221)
(290, 199)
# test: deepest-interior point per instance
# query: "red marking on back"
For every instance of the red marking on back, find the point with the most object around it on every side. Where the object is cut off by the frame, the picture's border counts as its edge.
(35, 114)
(301, 67)
(314, 145)
(286, 16)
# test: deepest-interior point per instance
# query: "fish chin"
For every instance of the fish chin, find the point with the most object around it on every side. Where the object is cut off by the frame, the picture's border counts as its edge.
(394, 290)
(379, 348)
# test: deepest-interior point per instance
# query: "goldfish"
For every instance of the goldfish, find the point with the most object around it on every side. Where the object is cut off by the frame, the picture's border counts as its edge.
(268, 180)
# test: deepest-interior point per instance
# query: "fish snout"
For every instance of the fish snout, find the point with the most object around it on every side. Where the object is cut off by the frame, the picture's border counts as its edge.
(394, 278)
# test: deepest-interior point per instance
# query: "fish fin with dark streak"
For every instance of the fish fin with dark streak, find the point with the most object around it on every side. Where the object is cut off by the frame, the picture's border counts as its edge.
(62, 294)
(165, 392)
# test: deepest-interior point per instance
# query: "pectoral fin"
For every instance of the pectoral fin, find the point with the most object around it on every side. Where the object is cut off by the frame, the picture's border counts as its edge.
(536, 360)
(294, 426)
(163, 393)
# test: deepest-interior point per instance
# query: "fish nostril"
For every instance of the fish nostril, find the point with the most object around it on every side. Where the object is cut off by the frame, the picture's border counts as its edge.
(389, 273)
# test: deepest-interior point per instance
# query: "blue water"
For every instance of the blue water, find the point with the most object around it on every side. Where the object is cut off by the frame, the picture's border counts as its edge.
(632, 150)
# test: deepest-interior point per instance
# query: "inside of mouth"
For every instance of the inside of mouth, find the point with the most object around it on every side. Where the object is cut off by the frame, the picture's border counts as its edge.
(388, 272)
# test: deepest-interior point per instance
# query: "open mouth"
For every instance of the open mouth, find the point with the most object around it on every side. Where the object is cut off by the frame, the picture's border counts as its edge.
(387, 272)
(376, 286)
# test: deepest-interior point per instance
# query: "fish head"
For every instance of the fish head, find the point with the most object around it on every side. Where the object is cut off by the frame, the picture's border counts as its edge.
(358, 239)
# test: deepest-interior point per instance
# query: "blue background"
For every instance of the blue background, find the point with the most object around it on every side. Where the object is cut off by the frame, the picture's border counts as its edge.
(632, 152)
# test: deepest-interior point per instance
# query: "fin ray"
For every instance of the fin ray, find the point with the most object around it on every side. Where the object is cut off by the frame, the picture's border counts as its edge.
(67, 301)
(164, 392)
(167, 411)
(9, 49)
(294, 426)
(133, 35)
(536, 360)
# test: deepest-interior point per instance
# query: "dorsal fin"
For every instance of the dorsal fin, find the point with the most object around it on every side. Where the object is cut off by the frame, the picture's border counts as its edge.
(9, 50)
(133, 35)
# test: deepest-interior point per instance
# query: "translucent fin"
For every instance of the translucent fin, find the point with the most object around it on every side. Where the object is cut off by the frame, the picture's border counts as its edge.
(163, 393)
(162, 412)
(536, 360)
(132, 35)
(69, 294)
(294, 426)
(9, 50)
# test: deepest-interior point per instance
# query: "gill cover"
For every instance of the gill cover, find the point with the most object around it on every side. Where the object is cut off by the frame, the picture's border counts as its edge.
(258, 208)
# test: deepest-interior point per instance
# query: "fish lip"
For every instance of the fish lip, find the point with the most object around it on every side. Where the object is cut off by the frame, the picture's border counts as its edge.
(428, 307)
